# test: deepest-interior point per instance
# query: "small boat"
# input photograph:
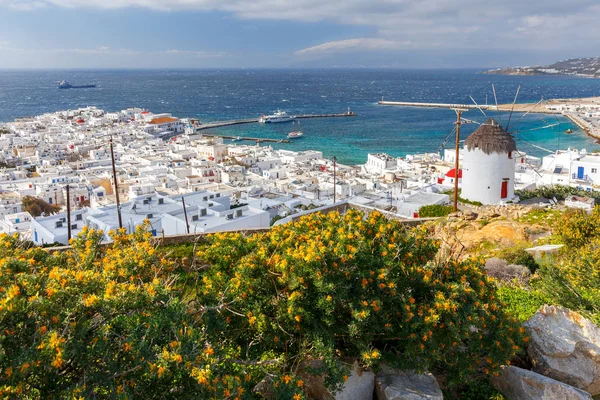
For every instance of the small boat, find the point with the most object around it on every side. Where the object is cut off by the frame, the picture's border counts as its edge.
(569, 131)
(236, 139)
(279, 116)
(295, 134)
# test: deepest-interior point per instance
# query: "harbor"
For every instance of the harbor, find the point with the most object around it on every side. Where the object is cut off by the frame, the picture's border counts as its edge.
(583, 112)
(221, 124)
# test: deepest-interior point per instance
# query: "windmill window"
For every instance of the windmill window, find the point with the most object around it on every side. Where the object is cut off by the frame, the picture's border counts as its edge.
(510, 155)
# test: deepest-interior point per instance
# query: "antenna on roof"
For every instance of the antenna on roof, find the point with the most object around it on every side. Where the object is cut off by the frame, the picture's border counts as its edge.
(496, 101)
(513, 107)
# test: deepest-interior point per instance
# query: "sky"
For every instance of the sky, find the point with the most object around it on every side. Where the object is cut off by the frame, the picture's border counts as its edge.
(295, 33)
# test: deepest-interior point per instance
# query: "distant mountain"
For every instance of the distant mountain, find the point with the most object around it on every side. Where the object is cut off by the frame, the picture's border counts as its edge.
(589, 67)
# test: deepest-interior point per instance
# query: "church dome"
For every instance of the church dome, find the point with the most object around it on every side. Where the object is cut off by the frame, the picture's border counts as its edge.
(490, 138)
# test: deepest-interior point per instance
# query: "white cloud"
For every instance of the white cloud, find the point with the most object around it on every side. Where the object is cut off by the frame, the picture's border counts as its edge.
(475, 24)
(354, 45)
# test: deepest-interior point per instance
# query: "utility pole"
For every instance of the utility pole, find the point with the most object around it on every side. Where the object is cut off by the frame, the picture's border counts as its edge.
(114, 170)
(334, 181)
(458, 123)
(68, 213)
(187, 224)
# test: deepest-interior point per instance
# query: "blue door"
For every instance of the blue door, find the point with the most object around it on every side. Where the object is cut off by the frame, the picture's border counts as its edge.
(579, 172)
(35, 236)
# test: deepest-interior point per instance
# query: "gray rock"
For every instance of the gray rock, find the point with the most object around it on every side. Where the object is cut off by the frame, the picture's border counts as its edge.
(521, 384)
(501, 270)
(565, 346)
(402, 385)
(358, 386)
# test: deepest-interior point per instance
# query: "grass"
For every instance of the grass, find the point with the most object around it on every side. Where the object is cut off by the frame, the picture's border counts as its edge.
(460, 199)
(545, 217)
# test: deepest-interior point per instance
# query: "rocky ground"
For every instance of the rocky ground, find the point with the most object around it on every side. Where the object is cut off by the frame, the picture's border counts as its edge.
(483, 231)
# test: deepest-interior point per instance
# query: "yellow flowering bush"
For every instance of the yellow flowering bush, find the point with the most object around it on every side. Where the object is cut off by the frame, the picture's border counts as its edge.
(351, 287)
(122, 321)
(103, 322)
(577, 227)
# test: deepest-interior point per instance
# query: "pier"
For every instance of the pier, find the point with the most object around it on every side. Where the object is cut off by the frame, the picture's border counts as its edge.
(252, 139)
(536, 108)
(221, 124)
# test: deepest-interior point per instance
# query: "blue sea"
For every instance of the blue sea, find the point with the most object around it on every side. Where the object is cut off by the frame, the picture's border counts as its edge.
(214, 95)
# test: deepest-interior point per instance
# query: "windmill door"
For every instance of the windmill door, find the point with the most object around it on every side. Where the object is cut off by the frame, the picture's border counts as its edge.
(504, 190)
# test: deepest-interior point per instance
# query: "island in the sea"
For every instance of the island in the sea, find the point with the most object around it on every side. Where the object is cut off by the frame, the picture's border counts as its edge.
(587, 67)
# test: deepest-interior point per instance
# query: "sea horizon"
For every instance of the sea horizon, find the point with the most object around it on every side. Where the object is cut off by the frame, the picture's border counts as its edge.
(213, 94)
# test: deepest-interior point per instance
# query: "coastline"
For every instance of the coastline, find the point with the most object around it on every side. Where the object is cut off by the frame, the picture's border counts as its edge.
(584, 125)
(564, 107)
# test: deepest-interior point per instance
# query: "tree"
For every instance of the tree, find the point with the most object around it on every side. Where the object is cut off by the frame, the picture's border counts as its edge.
(36, 206)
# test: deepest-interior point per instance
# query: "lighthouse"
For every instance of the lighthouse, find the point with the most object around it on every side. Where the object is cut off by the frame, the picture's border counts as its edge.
(489, 165)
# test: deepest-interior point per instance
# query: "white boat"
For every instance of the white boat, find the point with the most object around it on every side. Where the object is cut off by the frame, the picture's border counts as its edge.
(279, 116)
(296, 134)
(236, 139)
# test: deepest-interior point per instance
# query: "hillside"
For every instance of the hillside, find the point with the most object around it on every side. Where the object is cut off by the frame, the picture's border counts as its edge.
(588, 67)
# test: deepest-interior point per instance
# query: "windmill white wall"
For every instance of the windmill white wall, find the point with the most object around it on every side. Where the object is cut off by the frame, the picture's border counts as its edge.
(484, 174)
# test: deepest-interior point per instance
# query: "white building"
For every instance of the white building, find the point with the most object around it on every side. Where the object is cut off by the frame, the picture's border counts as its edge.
(207, 211)
(489, 165)
(377, 163)
(19, 222)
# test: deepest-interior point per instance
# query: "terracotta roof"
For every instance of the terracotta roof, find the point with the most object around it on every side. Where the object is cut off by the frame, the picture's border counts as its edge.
(163, 120)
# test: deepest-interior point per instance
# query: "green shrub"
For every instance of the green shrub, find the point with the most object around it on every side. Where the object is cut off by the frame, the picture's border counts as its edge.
(577, 228)
(99, 322)
(478, 389)
(560, 192)
(520, 302)
(348, 287)
(573, 280)
(518, 256)
(435, 210)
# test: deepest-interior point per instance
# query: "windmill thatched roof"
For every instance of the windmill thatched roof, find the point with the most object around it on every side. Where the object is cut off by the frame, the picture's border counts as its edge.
(491, 138)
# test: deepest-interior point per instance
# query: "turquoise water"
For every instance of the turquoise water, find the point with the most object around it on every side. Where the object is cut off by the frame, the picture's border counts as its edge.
(213, 95)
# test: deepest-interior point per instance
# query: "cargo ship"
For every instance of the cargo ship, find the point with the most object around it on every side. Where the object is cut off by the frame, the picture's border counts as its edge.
(67, 85)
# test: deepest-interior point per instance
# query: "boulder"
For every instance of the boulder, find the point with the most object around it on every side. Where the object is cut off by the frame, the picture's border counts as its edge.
(359, 386)
(565, 346)
(521, 384)
(401, 385)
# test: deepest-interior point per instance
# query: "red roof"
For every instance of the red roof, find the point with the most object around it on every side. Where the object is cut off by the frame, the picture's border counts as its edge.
(163, 120)
(452, 173)
(80, 121)
(145, 112)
